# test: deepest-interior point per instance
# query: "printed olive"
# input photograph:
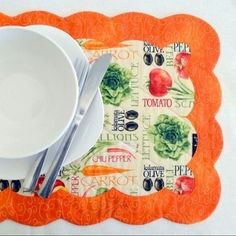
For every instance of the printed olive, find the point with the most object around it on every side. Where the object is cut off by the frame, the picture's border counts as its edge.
(148, 59)
(3, 184)
(194, 143)
(15, 185)
(147, 184)
(159, 59)
(131, 115)
(131, 126)
(159, 184)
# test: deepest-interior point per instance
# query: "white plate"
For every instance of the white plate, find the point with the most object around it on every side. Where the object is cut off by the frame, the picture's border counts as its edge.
(38, 97)
(90, 129)
(64, 40)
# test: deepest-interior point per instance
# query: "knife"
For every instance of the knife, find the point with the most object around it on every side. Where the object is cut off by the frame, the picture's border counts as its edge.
(82, 68)
(87, 95)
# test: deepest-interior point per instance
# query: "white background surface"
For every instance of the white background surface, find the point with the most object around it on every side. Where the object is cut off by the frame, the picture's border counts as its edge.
(222, 16)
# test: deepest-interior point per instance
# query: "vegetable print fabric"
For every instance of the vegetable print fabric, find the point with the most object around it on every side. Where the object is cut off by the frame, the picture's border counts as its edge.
(147, 140)
(155, 157)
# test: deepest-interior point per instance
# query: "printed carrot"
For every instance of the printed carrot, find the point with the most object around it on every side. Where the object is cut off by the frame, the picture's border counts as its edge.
(115, 149)
(96, 170)
(94, 44)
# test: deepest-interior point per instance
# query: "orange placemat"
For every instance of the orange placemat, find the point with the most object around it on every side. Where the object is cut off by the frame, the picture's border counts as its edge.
(190, 49)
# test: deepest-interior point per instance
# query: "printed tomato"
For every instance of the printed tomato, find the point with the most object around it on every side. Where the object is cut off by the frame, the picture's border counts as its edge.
(181, 61)
(160, 81)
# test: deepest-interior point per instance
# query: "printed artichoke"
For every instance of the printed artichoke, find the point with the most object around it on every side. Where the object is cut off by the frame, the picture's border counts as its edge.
(170, 136)
(115, 86)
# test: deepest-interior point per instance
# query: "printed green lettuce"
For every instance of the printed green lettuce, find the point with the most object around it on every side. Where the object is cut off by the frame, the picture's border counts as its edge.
(170, 137)
(115, 86)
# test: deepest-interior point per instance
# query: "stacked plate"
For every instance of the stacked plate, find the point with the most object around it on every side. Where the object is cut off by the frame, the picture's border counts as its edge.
(41, 75)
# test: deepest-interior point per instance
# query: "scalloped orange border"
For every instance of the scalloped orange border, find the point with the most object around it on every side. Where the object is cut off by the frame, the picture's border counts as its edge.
(191, 208)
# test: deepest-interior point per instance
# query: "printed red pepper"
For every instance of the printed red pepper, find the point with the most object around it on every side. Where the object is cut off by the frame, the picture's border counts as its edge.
(184, 185)
(58, 184)
(180, 63)
(122, 150)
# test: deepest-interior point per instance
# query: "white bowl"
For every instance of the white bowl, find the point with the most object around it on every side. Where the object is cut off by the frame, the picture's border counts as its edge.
(90, 128)
(38, 92)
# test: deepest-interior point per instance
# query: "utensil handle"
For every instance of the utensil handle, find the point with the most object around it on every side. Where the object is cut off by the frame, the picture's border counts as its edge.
(33, 175)
(52, 173)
